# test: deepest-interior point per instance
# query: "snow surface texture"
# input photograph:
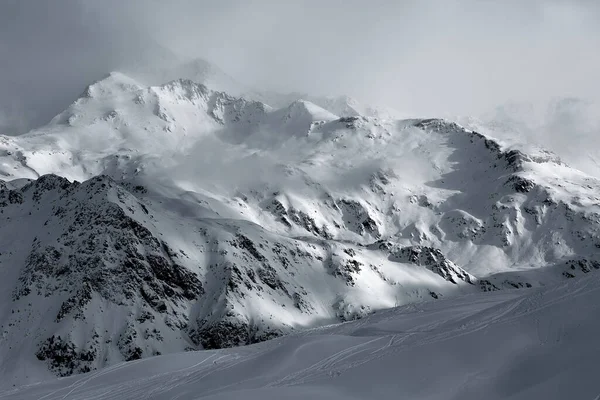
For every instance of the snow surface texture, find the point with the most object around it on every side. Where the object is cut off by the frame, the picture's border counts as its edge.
(205, 220)
(519, 344)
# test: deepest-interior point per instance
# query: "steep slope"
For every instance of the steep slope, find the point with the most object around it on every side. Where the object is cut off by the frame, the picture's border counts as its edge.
(506, 345)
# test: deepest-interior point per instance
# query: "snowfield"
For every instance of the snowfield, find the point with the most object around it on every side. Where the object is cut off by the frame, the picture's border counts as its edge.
(532, 344)
(162, 221)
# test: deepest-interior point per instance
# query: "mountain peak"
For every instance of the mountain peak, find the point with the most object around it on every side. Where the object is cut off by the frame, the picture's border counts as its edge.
(306, 108)
(197, 70)
(112, 84)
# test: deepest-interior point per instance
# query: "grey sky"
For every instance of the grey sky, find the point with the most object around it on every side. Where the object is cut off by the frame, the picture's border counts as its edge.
(423, 56)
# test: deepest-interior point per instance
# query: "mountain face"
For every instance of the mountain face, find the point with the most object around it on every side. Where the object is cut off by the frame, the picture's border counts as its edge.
(146, 220)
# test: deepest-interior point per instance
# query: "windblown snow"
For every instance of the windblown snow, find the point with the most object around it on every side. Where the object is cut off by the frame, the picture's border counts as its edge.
(154, 220)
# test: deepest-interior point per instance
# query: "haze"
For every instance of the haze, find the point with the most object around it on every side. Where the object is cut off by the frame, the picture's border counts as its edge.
(431, 57)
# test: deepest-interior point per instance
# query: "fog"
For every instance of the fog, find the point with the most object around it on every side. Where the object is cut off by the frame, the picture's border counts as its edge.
(429, 57)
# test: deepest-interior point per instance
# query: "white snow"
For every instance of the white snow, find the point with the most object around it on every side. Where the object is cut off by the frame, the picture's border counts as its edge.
(530, 344)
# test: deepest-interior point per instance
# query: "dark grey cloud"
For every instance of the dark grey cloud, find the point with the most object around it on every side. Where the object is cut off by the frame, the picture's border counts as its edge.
(425, 56)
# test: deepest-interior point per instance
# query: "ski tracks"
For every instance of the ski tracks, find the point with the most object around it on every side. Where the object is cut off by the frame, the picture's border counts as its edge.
(83, 381)
(332, 364)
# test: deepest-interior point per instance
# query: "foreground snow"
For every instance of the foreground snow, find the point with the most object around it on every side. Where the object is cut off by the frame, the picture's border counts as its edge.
(537, 343)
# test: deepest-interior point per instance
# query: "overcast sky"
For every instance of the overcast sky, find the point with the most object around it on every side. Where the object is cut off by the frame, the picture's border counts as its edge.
(423, 56)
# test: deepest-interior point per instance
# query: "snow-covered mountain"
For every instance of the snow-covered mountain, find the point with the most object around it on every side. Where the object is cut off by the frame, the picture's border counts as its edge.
(146, 220)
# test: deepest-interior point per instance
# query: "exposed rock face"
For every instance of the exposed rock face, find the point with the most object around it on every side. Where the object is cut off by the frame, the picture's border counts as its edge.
(92, 254)
(64, 358)
(434, 260)
(357, 219)
(520, 184)
(427, 257)
(101, 249)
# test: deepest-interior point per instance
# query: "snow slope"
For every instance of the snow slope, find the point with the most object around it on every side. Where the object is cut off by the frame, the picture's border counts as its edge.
(538, 343)
(205, 220)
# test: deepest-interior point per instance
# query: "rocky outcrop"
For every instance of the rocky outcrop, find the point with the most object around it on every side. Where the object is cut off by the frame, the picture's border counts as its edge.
(93, 250)
(64, 358)
(433, 260)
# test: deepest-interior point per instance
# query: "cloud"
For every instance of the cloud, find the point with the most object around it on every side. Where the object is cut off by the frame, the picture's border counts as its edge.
(425, 57)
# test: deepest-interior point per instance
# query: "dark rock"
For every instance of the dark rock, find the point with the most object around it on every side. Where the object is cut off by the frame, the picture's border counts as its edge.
(63, 358)
(520, 184)
(434, 260)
